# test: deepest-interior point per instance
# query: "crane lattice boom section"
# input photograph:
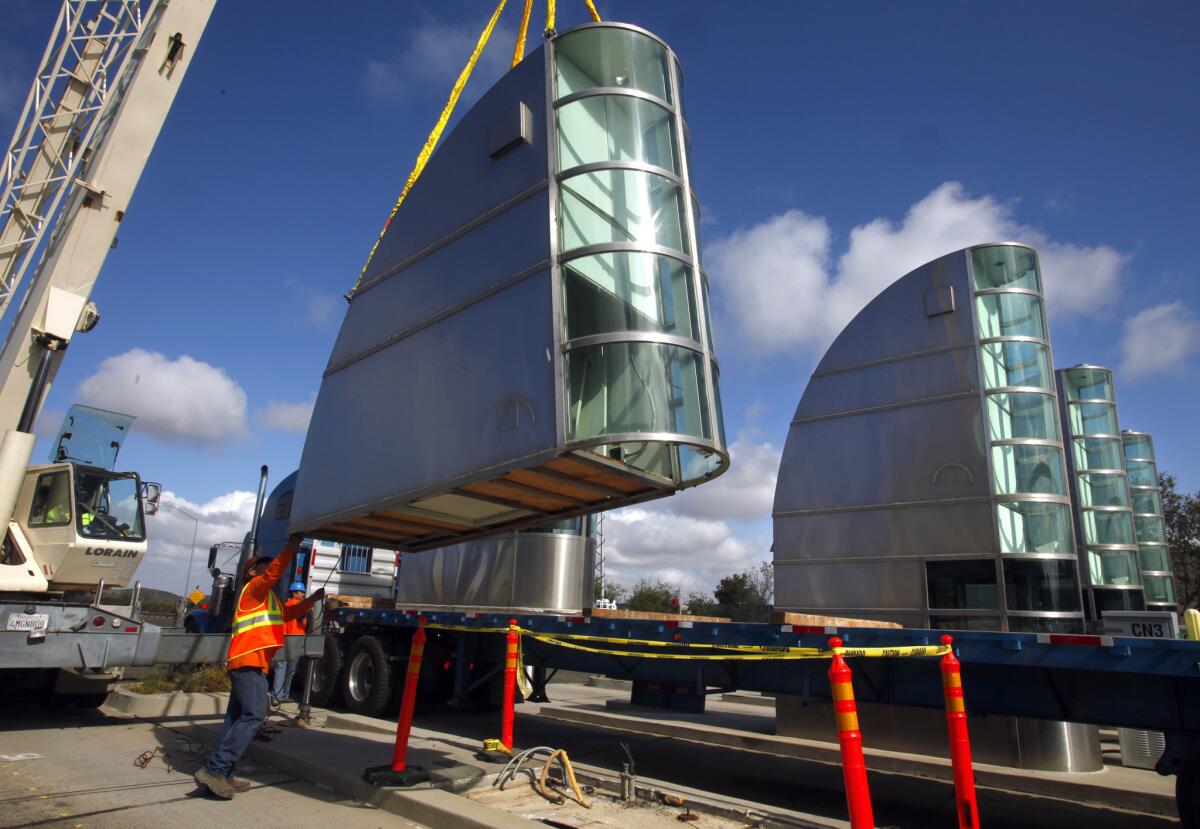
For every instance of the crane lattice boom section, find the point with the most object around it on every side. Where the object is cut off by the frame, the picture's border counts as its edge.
(62, 124)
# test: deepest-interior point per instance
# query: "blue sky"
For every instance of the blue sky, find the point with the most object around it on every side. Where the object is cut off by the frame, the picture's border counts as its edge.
(836, 146)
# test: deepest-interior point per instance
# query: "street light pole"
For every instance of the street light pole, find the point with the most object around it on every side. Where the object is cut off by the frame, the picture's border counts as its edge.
(191, 558)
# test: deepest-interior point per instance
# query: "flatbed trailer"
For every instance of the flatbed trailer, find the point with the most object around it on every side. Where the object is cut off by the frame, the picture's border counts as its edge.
(1151, 684)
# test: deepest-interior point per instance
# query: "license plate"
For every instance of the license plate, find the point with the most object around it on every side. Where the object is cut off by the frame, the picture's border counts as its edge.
(29, 621)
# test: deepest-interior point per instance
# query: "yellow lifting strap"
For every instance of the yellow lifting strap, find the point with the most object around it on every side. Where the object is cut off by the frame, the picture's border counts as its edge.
(431, 141)
(519, 49)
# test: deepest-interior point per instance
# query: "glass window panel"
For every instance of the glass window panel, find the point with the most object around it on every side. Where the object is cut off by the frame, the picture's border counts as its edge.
(626, 291)
(1159, 589)
(1010, 315)
(1017, 468)
(1098, 453)
(1142, 473)
(964, 622)
(1107, 527)
(1107, 601)
(695, 463)
(1154, 557)
(720, 412)
(1138, 446)
(1035, 527)
(707, 313)
(1035, 624)
(1093, 418)
(1113, 567)
(1147, 500)
(965, 585)
(635, 387)
(616, 128)
(621, 206)
(51, 505)
(1089, 384)
(1022, 415)
(1041, 584)
(355, 558)
(108, 507)
(1016, 364)
(1005, 266)
(602, 56)
(1098, 489)
(1151, 529)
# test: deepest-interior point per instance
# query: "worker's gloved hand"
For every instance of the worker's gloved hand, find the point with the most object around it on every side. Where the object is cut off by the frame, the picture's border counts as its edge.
(319, 594)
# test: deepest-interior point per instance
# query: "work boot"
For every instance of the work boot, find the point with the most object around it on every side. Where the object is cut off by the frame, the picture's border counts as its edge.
(238, 784)
(219, 786)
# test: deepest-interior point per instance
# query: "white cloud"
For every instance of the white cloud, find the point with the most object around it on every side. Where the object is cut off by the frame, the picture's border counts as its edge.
(435, 53)
(694, 538)
(181, 400)
(286, 417)
(1158, 339)
(784, 288)
(224, 518)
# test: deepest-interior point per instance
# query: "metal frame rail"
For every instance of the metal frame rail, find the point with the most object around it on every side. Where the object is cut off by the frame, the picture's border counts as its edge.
(1114, 681)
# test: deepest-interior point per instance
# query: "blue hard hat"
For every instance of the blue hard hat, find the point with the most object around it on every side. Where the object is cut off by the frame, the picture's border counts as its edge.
(296, 585)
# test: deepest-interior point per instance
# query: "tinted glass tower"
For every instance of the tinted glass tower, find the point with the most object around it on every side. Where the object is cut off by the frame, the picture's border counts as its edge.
(531, 341)
(1154, 558)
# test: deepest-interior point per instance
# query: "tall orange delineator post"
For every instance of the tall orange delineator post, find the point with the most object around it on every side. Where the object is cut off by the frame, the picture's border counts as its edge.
(854, 767)
(512, 640)
(960, 742)
(398, 773)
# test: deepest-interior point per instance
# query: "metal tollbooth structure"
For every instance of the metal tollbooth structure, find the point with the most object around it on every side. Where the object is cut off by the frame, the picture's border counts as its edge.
(531, 340)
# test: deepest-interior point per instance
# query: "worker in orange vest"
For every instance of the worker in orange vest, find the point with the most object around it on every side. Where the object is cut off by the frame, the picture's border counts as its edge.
(284, 669)
(258, 624)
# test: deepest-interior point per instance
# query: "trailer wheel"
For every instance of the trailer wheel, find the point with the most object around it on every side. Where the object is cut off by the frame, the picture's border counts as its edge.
(1187, 791)
(327, 675)
(367, 686)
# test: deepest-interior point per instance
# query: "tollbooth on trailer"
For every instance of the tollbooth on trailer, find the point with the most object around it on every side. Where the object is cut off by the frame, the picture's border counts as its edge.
(531, 340)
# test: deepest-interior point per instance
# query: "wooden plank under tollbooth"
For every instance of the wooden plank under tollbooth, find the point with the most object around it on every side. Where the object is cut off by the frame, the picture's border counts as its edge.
(529, 340)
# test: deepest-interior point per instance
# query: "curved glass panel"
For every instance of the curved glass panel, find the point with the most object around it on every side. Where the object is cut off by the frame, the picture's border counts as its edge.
(616, 128)
(1016, 364)
(720, 411)
(1005, 266)
(1010, 315)
(628, 291)
(1159, 589)
(604, 56)
(1017, 468)
(1138, 446)
(1041, 584)
(1021, 415)
(1151, 529)
(1034, 527)
(963, 585)
(1089, 384)
(1155, 557)
(1142, 473)
(1113, 567)
(1097, 453)
(1092, 418)
(1107, 527)
(635, 387)
(707, 313)
(1147, 500)
(1099, 489)
(621, 206)
(1041, 624)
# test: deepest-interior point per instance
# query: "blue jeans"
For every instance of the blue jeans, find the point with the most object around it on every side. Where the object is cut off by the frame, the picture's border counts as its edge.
(281, 678)
(246, 712)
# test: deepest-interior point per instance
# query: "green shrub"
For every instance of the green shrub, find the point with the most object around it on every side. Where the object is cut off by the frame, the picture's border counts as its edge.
(187, 678)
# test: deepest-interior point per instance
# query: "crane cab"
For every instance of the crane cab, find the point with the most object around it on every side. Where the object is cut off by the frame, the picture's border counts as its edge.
(86, 525)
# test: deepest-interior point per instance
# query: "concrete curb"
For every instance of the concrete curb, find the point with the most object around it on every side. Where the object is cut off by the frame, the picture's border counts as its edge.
(174, 704)
(1042, 784)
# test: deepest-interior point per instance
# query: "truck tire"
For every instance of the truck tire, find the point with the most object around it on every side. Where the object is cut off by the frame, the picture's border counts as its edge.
(367, 679)
(327, 675)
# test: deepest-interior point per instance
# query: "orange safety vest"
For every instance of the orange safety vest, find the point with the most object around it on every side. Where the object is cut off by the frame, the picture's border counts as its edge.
(256, 629)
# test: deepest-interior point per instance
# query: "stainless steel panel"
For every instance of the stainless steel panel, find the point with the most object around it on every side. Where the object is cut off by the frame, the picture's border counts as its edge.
(432, 408)
(895, 319)
(1040, 745)
(909, 454)
(849, 584)
(934, 530)
(462, 180)
(546, 571)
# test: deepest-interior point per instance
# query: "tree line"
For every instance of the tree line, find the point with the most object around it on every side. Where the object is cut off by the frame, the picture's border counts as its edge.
(1182, 513)
(747, 596)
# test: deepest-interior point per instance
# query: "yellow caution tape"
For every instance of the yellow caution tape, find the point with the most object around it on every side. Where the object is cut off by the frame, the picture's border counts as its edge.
(496, 745)
(431, 141)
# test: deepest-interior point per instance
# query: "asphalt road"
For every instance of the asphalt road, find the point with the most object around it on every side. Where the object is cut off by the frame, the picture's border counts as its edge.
(75, 769)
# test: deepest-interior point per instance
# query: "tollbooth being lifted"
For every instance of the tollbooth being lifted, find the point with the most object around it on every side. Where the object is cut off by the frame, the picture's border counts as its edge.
(531, 340)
